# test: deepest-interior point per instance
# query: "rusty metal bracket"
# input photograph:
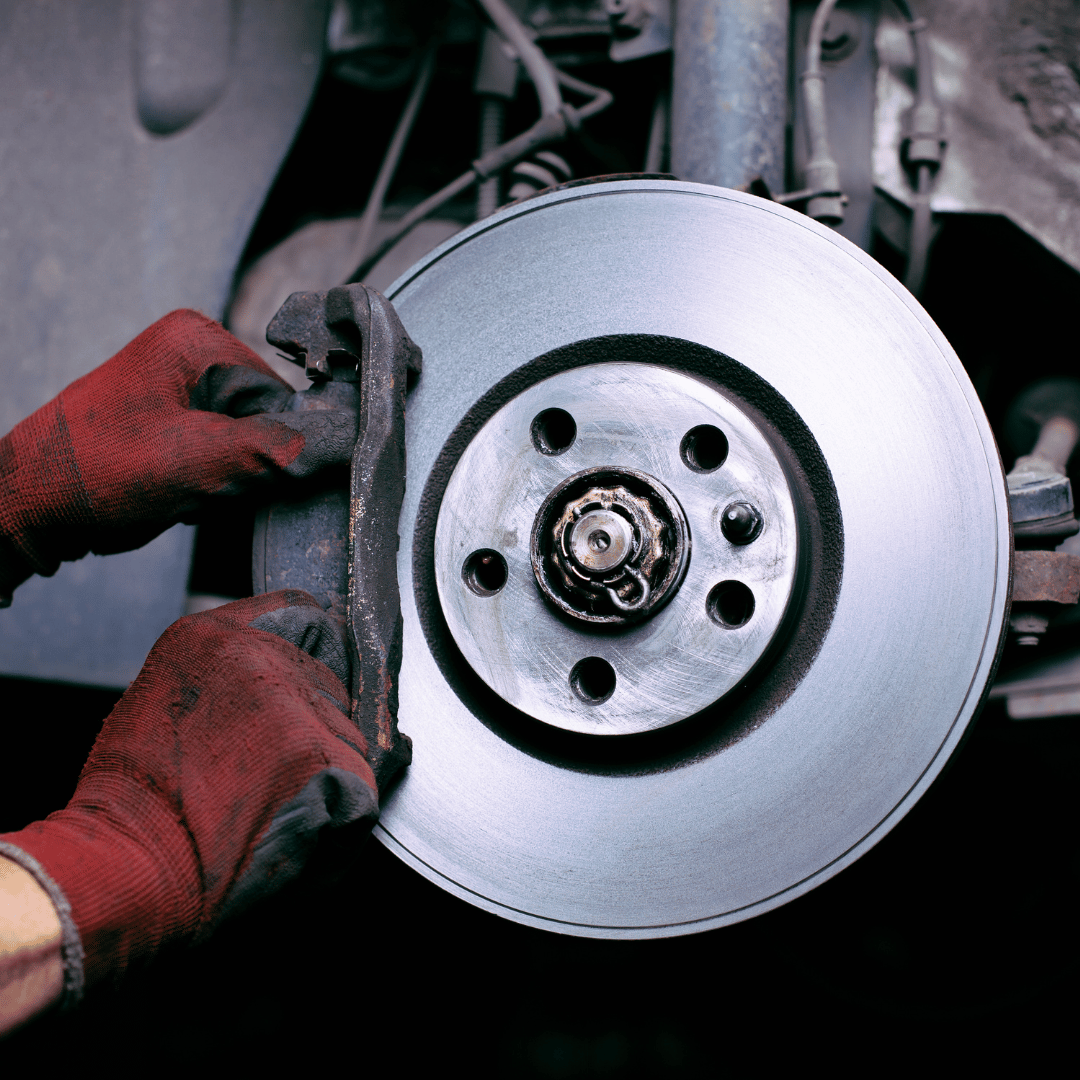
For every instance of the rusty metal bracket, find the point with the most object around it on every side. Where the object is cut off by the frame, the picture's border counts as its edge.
(1041, 576)
(353, 334)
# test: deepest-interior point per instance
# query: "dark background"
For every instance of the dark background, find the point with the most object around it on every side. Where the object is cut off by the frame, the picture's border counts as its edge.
(955, 936)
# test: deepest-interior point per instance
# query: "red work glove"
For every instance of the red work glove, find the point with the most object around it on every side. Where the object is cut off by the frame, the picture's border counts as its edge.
(174, 421)
(229, 760)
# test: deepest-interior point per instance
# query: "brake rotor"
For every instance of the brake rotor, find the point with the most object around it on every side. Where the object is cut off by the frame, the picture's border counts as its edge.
(704, 559)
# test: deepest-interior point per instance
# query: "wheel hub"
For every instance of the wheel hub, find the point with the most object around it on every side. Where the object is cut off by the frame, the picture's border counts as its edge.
(610, 546)
(615, 547)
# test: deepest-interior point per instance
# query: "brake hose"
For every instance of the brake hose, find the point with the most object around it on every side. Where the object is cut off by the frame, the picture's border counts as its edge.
(922, 146)
(825, 203)
(539, 69)
(556, 118)
(373, 209)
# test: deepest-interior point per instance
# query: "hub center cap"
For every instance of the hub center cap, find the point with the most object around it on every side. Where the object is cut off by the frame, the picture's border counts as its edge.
(600, 541)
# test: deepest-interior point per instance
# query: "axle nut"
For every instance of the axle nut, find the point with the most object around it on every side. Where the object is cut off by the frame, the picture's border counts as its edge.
(610, 545)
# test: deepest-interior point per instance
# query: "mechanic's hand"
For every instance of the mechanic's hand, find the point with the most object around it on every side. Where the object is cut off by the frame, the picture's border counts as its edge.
(174, 421)
(229, 765)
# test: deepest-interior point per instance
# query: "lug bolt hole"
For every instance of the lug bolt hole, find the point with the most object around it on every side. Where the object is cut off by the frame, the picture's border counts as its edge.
(730, 604)
(704, 448)
(484, 572)
(593, 680)
(553, 432)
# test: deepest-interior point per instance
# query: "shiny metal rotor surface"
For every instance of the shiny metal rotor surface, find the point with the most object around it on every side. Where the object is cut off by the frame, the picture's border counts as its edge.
(664, 668)
(902, 578)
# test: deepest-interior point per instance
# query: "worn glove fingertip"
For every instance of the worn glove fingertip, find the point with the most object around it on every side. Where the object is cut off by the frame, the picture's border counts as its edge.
(334, 801)
(312, 630)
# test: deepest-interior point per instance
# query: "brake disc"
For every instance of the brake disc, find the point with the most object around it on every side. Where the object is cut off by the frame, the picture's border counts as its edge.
(704, 559)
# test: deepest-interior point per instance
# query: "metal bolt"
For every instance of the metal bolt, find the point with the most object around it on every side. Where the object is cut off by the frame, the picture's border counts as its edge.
(741, 522)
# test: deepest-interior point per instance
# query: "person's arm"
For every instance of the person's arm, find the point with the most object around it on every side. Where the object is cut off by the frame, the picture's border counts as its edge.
(180, 420)
(31, 968)
(228, 767)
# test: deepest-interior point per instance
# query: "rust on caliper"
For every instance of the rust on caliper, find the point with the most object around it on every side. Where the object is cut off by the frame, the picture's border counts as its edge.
(353, 334)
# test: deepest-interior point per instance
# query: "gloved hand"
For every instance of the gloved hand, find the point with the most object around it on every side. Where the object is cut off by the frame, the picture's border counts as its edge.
(184, 415)
(228, 765)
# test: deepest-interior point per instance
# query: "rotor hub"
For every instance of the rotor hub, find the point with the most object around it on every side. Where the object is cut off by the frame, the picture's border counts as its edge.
(610, 546)
(616, 548)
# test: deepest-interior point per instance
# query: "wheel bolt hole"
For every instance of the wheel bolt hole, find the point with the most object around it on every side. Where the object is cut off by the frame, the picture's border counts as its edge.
(484, 572)
(553, 431)
(730, 604)
(593, 680)
(704, 448)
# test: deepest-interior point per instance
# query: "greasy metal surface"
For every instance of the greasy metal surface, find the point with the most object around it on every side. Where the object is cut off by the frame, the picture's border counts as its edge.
(609, 545)
(918, 616)
(729, 91)
(1046, 575)
(1037, 490)
(672, 665)
(1043, 532)
(1039, 486)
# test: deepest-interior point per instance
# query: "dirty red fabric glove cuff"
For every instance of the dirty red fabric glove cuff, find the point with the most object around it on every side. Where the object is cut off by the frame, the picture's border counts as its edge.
(213, 781)
(125, 895)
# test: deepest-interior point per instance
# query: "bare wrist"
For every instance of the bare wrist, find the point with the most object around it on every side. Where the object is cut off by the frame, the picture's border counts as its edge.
(31, 965)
